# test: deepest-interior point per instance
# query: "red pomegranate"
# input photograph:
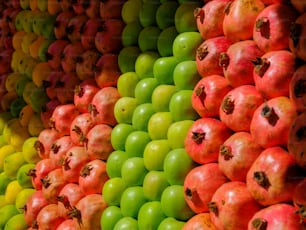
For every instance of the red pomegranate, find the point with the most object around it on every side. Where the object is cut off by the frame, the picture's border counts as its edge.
(208, 53)
(80, 126)
(199, 221)
(277, 216)
(299, 199)
(273, 176)
(296, 140)
(238, 106)
(297, 88)
(237, 155)
(273, 72)
(237, 62)
(85, 66)
(297, 37)
(271, 31)
(271, 122)
(232, 206)
(208, 94)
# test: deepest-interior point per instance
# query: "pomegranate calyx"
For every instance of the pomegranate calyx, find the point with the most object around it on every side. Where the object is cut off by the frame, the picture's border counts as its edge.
(64, 200)
(78, 91)
(93, 110)
(263, 26)
(260, 224)
(228, 105)
(191, 193)
(199, 13)
(76, 213)
(269, 113)
(45, 182)
(261, 66)
(32, 173)
(212, 206)
(302, 212)
(55, 148)
(226, 152)
(202, 52)
(224, 60)
(39, 147)
(261, 178)
(300, 88)
(198, 137)
(227, 7)
(65, 164)
(200, 93)
(85, 171)
(77, 130)
(301, 133)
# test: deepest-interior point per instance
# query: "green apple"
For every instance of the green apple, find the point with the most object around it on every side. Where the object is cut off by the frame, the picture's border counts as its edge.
(48, 27)
(27, 22)
(126, 223)
(173, 203)
(165, 14)
(114, 163)
(20, 84)
(142, 115)
(130, 33)
(43, 50)
(171, 223)
(154, 184)
(126, 84)
(5, 151)
(161, 96)
(147, 13)
(124, 108)
(130, 11)
(24, 4)
(150, 215)
(185, 45)
(186, 75)
(136, 142)
(165, 41)
(180, 106)
(16, 106)
(16, 222)
(22, 197)
(155, 153)
(6, 212)
(38, 22)
(177, 132)
(133, 171)
(2, 141)
(38, 99)
(177, 164)
(144, 64)
(27, 40)
(42, 5)
(19, 20)
(144, 89)
(163, 69)
(4, 118)
(159, 124)
(23, 177)
(4, 181)
(119, 135)
(112, 190)
(184, 18)
(29, 151)
(110, 216)
(147, 38)
(127, 58)
(12, 163)
(131, 201)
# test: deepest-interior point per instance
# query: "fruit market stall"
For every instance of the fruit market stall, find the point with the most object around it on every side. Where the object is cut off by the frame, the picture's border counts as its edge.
(152, 114)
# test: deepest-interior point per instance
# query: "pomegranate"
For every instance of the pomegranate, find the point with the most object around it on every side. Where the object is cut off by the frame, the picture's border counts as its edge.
(102, 105)
(232, 206)
(276, 216)
(210, 17)
(237, 155)
(237, 62)
(208, 94)
(271, 31)
(71, 53)
(52, 184)
(61, 23)
(45, 140)
(299, 200)
(208, 53)
(98, 142)
(271, 122)
(74, 27)
(62, 117)
(85, 65)
(84, 93)
(273, 176)
(91, 7)
(74, 160)
(111, 9)
(204, 139)
(238, 106)
(92, 177)
(48, 218)
(87, 212)
(54, 52)
(296, 141)
(297, 37)
(65, 87)
(273, 72)
(67, 224)
(79, 128)
(199, 221)
(59, 149)
(89, 31)
(200, 184)
(297, 88)
(300, 6)
(236, 26)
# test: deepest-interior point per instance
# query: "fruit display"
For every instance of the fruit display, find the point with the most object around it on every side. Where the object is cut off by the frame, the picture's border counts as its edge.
(152, 115)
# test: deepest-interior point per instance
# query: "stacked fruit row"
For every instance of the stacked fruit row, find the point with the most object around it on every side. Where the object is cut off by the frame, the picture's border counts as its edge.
(249, 141)
(63, 58)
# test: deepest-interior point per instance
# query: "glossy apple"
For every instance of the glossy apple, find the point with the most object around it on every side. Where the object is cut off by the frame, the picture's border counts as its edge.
(150, 215)
(127, 58)
(154, 184)
(130, 33)
(165, 41)
(161, 96)
(110, 216)
(126, 84)
(114, 163)
(144, 64)
(142, 115)
(147, 38)
(119, 135)
(136, 142)
(177, 133)
(124, 108)
(163, 68)
(144, 88)
(112, 190)
(159, 124)
(133, 171)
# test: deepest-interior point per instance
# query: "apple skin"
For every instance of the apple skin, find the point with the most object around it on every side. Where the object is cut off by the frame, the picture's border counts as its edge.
(154, 184)
(143, 90)
(163, 69)
(142, 115)
(177, 132)
(124, 108)
(158, 125)
(150, 215)
(110, 216)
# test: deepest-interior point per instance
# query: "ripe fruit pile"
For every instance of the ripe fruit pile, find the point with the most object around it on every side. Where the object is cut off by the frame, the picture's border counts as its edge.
(151, 114)
(249, 141)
